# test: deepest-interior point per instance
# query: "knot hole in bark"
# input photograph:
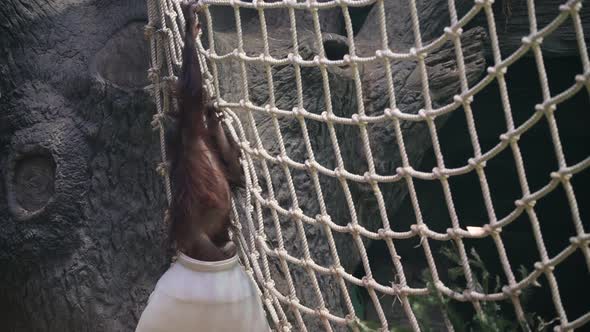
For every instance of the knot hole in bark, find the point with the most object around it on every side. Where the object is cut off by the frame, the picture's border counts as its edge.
(31, 184)
(335, 46)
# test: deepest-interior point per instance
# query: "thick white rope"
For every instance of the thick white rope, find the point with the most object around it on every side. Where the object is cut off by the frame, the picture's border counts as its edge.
(164, 31)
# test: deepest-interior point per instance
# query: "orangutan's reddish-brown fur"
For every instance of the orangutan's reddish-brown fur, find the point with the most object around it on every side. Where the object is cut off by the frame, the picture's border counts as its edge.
(204, 163)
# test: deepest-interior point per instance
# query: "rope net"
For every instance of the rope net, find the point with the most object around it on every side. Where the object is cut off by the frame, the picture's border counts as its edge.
(259, 230)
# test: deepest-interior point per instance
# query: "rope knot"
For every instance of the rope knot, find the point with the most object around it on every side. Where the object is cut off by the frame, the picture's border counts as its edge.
(484, 2)
(392, 114)
(254, 255)
(298, 112)
(348, 60)
(404, 290)
(316, 61)
(272, 202)
(571, 7)
(583, 78)
(338, 172)
(533, 41)
(525, 202)
(404, 171)
(438, 284)
(323, 313)
(170, 78)
(296, 213)
(163, 168)
(354, 230)
(148, 31)
(337, 270)
(369, 178)
(419, 55)
(561, 175)
(544, 267)
(508, 291)
(292, 299)
(351, 320)
(453, 234)
(468, 294)
(366, 280)
(158, 121)
(440, 174)
(489, 229)
(453, 32)
(306, 263)
(423, 114)
(171, 14)
(419, 229)
(290, 58)
(545, 108)
(163, 33)
(495, 72)
(510, 137)
(320, 219)
(476, 163)
(579, 241)
(282, 253)
(244, 145)
(154, 74)
(462, 100)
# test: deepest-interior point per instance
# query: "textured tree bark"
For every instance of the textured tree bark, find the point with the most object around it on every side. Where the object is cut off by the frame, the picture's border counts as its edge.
(81, 240)
(512, 23)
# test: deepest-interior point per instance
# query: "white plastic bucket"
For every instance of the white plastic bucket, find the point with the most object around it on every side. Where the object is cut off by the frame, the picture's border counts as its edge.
(195, 296)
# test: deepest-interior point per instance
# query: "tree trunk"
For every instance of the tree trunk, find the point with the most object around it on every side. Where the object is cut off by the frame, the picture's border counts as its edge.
(81, 206)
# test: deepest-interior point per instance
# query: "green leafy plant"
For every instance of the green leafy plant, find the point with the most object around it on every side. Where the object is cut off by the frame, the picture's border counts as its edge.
(491, 318)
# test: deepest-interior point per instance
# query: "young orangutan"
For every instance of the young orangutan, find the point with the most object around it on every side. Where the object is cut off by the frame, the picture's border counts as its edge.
(204, 162)
(205, 289)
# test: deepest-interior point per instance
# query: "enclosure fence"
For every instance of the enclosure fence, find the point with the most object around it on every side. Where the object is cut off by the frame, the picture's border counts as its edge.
(285, 311)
